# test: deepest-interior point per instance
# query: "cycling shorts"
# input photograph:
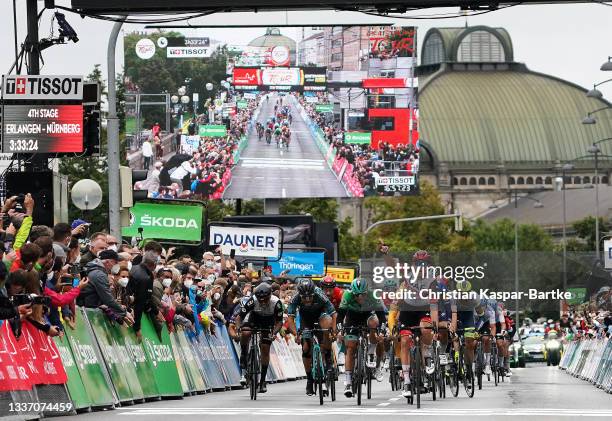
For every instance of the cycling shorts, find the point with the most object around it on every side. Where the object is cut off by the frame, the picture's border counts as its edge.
(485, 329)
(356, 319)
(256, 321)
(408, 319)
(308, 319)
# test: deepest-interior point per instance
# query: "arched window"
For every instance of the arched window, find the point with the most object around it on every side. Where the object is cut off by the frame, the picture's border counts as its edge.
(520, 180)
(586, 179)
(577, 180)
(472, 181)
(481, 46)
(539, 181)
(455, 181)
(529, 180)
(604, 179)
(511, 180)
(433, 50)
(482, 181)
(548, 180)
(491, 181)
(463, 181)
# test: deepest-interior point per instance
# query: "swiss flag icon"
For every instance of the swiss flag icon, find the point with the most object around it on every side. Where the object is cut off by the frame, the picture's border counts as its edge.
(20, 85)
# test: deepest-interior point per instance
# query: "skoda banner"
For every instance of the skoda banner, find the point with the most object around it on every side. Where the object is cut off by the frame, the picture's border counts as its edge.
(260, 241)
(165, 221)
(300, 263)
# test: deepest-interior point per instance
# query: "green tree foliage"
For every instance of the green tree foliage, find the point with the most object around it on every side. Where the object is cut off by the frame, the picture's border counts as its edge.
(322, 210)
(585, 229)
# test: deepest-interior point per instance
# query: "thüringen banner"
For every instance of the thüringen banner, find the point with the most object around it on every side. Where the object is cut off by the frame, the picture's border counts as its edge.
(300, 263)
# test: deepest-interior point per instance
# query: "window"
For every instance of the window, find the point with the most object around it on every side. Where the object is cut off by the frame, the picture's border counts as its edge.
(337, 43)
(521, 180)
(577, 180)
(548, 180)
(336, 57)
(482, 181)
(481, 46)
(455, 181)
(472, 181)
(511, 181)
(433, 50)
(463, 181)
(491, 181)
(586, 180)
(604, 179)
(539, 180)
(382, 123)
(529, 180)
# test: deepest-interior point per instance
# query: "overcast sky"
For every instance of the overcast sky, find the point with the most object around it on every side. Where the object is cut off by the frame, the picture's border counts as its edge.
(567, 41)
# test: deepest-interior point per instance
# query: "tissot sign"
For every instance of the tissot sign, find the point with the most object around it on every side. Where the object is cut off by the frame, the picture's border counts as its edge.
(54, 88)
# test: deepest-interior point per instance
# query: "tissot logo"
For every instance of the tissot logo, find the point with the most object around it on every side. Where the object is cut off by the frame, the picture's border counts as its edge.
(43, 87)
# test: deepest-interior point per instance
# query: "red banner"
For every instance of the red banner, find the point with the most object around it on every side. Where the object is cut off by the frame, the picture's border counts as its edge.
(31, 359)
(384, 82)
(246, 76)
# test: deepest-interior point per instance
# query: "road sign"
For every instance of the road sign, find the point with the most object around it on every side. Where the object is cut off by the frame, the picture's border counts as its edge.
(359, 138)
(212, 130)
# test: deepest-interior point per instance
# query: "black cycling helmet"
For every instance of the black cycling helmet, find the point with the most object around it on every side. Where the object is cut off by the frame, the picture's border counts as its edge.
(263, 291)
(306, 287)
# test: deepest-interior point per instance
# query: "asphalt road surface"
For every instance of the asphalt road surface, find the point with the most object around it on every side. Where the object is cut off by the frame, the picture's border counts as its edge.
(265, 171)
(533, 393)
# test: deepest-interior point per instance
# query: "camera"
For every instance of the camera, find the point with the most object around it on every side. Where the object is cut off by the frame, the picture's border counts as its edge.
(19, 207)
(21, 299)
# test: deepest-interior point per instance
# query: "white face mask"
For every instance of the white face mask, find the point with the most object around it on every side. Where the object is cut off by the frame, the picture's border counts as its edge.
(123, 282)
(115, 269)
(166, 282)
(188, 283)
(49, 276)
(113, 247)
(209, 263)
(217, 296)
(211, 278)
(129, 265)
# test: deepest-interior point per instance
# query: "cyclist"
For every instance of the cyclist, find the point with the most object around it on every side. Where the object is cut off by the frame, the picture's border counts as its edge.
(277, 134)
(417, 311)
(290, 118)
(486, 318)
(261, 311)
(359, 309)
(447, 313)
(465, 319)
(332, 291)
(313, 306)
(507, 330)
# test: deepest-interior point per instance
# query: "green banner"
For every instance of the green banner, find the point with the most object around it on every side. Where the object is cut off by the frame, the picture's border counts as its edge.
(122, 375)
(242, 104)
(165, 221)
(76, 389)
(161, 359)
(138, 357)
(324, 108)
(91, 368)
(196, 373)
(359, 138)
(578, 296)
(181, 365)
(212, 130)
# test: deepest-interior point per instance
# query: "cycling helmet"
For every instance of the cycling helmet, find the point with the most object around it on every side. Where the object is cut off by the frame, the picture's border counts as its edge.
(328, 282)
(263, 291)
(359, 286)
(421, 256)
(306, 287)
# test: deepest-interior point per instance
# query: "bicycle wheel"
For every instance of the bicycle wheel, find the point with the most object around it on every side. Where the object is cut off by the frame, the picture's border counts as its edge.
(331, 384)
(442, 381)
(358, 374)
(493, 364)
(369, 382)
(253, 359)
(418, 380)
(479, 365)
(467, 375)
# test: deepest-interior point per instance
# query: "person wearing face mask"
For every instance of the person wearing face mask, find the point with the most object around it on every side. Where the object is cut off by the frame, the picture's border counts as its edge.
(141, 286)
(119, 286)
(112, 243)
(98, 291)
(162, 281)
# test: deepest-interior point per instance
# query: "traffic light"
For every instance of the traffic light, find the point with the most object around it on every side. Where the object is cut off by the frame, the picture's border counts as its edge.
(128, 178)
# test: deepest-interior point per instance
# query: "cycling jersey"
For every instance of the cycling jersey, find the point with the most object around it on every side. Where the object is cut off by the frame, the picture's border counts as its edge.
(320, 304)
(262, 315)
(336, 297)
(419, 300)
(354, 314)
(491, 314)
(446, 307)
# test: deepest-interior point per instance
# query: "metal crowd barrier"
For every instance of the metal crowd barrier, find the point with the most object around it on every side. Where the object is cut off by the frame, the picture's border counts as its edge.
(590, 360)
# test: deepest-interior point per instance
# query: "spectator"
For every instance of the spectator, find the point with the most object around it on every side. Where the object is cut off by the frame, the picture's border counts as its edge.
(96, 245)
(112, 243)
(147, 154)
(98, 292)
(141, 286)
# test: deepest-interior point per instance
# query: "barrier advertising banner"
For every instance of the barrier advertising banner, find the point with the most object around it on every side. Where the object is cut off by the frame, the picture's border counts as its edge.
(89, 364)
(248, 242)
(212, 130)
(12, 368)
(300, 263)
(75, 385)
(165, 221)
(161, 359)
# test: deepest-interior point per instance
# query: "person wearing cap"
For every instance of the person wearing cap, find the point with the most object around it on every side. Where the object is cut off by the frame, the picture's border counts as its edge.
(98, 291)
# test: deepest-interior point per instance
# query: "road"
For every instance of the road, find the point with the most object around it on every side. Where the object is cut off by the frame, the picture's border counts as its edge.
(264, 171)
(533, 393)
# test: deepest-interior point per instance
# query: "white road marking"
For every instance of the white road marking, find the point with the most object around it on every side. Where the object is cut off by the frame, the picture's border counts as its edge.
(384, 404)
(395, 399)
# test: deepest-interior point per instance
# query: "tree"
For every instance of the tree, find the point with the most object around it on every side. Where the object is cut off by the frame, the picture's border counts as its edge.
(322, 210)
(585, 229)
(92, 167)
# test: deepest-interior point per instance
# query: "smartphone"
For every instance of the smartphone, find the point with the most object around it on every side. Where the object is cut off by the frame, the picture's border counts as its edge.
(232, 253)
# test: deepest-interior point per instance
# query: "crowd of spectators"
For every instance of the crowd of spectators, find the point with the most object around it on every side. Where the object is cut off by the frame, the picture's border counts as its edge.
(369, 162)
(47, 271)
(204, 171)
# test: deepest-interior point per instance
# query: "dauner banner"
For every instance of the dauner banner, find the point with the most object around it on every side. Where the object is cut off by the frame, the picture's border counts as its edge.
(248, 242)
(165, 221)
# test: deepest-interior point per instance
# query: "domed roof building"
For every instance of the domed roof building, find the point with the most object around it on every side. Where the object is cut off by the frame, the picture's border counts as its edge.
(490, 126)
(273, 38)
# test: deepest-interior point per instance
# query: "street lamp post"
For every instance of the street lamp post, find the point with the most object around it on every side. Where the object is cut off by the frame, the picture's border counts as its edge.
(537, 204)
